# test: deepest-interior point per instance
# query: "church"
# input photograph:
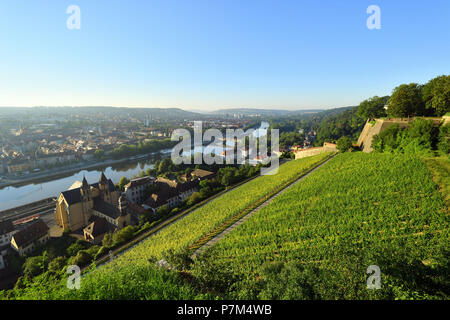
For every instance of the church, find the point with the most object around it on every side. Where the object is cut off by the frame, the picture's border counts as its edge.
(81, 206)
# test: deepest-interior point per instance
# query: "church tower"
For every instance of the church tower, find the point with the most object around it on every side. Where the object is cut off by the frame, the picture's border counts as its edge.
(86, 198)
(103, 185)
(124, 219)
(123, 205)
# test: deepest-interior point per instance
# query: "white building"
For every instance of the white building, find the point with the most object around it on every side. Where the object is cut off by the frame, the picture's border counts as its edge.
(135, 189)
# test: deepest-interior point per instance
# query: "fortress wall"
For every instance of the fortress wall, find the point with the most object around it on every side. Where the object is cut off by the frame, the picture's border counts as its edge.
(366, 136)
(308, 152)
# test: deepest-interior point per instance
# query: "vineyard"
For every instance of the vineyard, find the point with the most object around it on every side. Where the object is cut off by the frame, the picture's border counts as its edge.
(184, 232)
(314, 241)
(317, 240)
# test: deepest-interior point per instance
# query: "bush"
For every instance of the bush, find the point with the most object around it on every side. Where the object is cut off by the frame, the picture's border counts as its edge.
(101, 252)
(108, 240)
(194, 198)
(180, 260)
(344, 144)
(34, 266)
(82, 258)
(123, 235)
(57, 265)
(420, 138)
(76, 247)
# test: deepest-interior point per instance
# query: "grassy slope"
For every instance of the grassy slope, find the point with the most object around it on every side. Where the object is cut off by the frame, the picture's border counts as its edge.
(181, 233)
(440, 169)
(358, 210)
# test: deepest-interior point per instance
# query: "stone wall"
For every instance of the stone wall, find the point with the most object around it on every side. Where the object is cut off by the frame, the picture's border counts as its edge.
(303, 153)
(379, 125)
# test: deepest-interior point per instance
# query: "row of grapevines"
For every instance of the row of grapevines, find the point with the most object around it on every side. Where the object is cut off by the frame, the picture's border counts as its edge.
(190, 228)
(357, 210)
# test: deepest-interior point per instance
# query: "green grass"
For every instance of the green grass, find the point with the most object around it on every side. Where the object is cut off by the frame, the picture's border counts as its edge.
(357, 210)
(124, 283)
(440, 169)
(182, 233)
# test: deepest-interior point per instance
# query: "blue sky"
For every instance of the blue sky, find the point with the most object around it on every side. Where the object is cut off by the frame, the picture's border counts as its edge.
(210, 54)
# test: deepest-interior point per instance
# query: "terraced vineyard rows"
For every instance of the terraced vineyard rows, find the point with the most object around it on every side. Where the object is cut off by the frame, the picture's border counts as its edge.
(202, 221)
(357, 210)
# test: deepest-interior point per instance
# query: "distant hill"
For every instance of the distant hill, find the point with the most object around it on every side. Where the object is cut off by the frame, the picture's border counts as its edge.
(264, 112)
(154, 113)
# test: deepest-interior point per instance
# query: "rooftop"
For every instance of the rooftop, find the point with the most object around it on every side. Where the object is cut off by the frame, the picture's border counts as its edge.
(31, 233)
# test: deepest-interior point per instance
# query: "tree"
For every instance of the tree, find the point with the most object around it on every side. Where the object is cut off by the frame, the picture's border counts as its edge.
(436, 94)
(33, 266)
(288, 139)
(163, 210)
(75, 247)
(194, 198)
(82, 258)
(99, 154)
(372, 108)
(108, 240)
(344, 144)
(424, 132)
(123, 235)
(227, 176)
(406, 100)
(164, 165)
(122, 182)
(57, 265)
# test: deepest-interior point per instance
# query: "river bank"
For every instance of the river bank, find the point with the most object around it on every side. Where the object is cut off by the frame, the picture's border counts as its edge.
(52, 174)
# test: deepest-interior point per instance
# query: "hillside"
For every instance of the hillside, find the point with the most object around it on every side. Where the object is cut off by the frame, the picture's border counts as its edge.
(314, 241)
(197, 225)
(266, 112)
(357, 210)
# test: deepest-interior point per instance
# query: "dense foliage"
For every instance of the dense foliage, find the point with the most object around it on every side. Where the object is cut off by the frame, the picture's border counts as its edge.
(373, 108)
(406, 100)
(421, 137)
(317, 240)
(142, 147)
(436, 95)
(347, 123)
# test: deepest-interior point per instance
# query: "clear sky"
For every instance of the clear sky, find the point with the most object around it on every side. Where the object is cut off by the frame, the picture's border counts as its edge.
(210, 54)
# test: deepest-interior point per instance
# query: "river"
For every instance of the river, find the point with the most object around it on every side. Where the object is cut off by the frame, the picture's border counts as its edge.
(11, 196)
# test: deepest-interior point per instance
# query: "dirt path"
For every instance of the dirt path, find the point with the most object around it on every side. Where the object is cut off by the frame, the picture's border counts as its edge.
(246, 217)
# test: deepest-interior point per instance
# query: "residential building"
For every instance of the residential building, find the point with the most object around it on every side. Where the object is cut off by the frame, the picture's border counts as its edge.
(135, 189)
(28, 239)
(7, 230)
(18, 167)
(198, 174)
(170, 193)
